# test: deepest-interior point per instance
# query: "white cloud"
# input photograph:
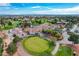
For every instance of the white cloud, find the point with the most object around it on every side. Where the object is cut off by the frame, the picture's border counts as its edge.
(49, 10)
(73, 10)
(16, 8)
(36, 7)
(41, 7)
(4, 4)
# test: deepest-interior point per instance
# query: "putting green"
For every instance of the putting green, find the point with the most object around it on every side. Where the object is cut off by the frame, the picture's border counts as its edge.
(36, 44)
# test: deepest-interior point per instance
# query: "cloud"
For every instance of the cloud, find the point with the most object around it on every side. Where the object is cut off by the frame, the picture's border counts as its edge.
(16, 8)
(42, 10)
(4, 4)
(36, 7)
(73, 10)
(41, 7)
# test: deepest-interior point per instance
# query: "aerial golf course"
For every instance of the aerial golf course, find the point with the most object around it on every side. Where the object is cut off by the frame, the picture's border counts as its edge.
(37, 46)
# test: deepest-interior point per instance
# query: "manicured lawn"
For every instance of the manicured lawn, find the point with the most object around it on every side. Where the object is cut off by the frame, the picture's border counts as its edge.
(64, 51)
(36, 45)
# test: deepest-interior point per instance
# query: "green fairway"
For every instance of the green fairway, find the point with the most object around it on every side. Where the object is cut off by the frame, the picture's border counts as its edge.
(36, 45)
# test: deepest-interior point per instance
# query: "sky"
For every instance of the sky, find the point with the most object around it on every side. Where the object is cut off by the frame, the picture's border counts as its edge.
(39, 8)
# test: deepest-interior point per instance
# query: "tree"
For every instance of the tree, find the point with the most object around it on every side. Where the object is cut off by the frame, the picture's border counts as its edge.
(16, 39)
(38, 21)
(1, 50)
(9, 23)
(1, 46)
(74, 38)
(53, 21)
(25, 24)
(53, 33)
(11, 49)
(1, 41)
